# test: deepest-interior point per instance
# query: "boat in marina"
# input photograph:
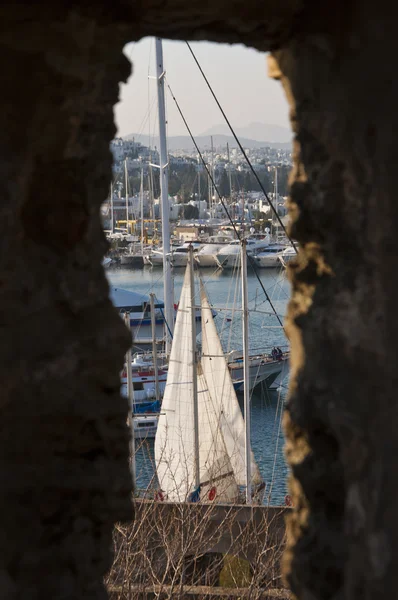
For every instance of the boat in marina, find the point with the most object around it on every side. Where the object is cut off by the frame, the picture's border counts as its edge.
(134, 257)
(264, 369)
(178, 256)
(207, 254)
(144, 378)
(229, 257)
(270, 256)
(202, 447)
(145, 426)
(287, 255)
(139, 307)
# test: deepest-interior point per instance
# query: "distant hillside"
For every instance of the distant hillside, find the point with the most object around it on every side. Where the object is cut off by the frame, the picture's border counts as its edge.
(255, 131)
(184, 142)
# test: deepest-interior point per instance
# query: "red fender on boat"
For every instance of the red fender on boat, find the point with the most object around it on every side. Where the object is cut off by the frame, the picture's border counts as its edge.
(212, 493)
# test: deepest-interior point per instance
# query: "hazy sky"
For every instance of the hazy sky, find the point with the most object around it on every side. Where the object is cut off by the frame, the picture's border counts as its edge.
(238, 76)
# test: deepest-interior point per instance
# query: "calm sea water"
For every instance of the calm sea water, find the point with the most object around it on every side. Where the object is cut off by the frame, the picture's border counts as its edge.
(223, 289)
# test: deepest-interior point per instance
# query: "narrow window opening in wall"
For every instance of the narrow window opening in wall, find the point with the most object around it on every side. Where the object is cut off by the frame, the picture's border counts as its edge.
(206, 191)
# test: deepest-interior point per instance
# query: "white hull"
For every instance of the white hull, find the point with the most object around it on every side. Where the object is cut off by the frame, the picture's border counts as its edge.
(207, 260)
(156, 260)
(288, 255)
(179, 259)
(207, 256)
(229, 261)
(145, 426)
(144, 387)
(271, 261)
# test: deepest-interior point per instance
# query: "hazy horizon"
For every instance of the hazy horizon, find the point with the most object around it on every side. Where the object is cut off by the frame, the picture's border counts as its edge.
(238, 76)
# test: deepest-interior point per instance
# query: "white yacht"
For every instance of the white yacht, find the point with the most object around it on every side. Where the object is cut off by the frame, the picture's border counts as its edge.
(178, 255)
(269, 257)
(207, 255)
(287, 255)
(229, 256)
(155, 258)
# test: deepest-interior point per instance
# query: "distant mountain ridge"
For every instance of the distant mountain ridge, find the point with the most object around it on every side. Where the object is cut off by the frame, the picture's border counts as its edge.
(184, 142)
(254, 131)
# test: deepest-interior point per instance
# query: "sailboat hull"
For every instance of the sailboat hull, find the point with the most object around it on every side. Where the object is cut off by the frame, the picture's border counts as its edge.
(260, 372)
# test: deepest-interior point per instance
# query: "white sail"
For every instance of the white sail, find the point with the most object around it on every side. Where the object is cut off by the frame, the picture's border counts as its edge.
(174, 443)
(222, 391)
(216, 473)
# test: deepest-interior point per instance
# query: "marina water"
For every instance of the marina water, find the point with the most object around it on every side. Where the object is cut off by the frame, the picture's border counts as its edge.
(223, 289)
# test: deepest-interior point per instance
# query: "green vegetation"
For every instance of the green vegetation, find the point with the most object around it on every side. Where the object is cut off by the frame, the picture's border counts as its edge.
(183, 182)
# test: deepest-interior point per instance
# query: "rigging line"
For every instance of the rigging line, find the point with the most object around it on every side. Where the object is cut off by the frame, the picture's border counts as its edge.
(241, 148)
(164, 318)
(251, 261)
(280, 409)
(147, 117)
(148, 92)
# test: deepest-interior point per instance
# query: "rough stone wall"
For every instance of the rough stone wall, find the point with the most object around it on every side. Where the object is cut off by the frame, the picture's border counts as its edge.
(63, 443)
(342, 416)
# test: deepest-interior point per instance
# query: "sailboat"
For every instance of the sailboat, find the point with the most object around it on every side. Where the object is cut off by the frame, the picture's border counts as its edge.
(201, 442)
(136, 257)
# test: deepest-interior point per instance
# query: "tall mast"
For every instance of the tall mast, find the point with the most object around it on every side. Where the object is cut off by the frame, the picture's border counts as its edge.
(154, 346)
(142, 210)
(243, 213)
(212, 168)
(150, 181)
(199, 167)
(194, 370)
(112, 221)
(168, 289)
(209, 189)
(126, 180)
(229, 175)
(246, 392)
(130, 397)
(276, 189)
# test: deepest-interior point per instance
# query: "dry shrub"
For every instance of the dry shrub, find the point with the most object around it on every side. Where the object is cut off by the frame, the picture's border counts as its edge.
(172, 548)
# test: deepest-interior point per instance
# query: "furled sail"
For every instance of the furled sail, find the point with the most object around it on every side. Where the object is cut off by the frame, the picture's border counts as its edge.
(222, 392)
